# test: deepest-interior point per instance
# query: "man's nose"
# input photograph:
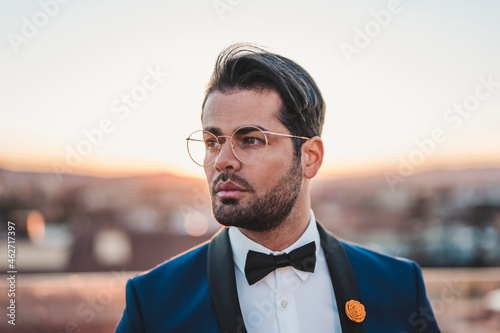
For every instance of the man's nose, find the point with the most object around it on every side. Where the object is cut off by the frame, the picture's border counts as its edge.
(226, 158)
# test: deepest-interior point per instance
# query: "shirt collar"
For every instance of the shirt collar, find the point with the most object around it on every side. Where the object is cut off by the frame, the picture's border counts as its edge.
(241, 244)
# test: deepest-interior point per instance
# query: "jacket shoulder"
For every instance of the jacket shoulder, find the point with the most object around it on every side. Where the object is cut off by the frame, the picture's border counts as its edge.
(170, 296)
(364, 256)
(381, 273)
(391, 287)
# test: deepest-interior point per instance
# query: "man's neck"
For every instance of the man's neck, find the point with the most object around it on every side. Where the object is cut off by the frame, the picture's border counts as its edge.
(287, 233)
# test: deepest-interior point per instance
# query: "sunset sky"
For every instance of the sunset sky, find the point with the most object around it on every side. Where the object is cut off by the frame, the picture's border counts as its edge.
(120, 83)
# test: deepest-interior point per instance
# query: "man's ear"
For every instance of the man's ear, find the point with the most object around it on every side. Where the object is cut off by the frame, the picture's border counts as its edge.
(312, 156)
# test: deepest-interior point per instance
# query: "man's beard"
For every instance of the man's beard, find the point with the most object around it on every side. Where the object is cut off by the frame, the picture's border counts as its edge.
(264, 213)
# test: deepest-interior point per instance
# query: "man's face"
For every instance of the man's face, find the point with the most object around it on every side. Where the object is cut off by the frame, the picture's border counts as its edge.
(260, 196)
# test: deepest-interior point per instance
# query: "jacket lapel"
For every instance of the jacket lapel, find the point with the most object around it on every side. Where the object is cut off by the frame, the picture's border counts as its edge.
(222, 284)
(343, 278)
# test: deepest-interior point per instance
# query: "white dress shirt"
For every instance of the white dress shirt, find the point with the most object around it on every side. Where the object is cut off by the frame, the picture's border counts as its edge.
(287, 300)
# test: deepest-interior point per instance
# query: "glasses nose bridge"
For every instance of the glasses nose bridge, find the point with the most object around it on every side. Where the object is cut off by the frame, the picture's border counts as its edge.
(221, 143)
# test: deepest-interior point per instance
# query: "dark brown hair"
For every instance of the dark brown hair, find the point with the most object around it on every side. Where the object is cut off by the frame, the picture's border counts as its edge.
(250, 67)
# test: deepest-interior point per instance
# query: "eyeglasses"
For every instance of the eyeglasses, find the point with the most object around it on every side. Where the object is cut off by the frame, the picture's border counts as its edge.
(248, 143)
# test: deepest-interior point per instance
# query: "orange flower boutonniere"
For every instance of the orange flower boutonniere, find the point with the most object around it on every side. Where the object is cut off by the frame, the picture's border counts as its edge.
(355, 311)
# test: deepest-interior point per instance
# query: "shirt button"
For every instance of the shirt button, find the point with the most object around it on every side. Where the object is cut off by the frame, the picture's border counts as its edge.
(284, 303)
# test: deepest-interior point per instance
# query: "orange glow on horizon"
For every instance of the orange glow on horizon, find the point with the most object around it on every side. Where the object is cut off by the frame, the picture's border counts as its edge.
(111, 169)
(443, 161)
(345, 169)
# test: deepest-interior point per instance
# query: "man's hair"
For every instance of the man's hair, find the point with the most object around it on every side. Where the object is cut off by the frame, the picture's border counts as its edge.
(250, 67)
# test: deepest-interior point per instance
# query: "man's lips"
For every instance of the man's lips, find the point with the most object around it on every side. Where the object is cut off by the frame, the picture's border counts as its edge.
(228, 190)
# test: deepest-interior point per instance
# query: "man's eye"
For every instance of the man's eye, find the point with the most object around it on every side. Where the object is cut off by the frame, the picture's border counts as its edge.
(211, 144)
(252, 141)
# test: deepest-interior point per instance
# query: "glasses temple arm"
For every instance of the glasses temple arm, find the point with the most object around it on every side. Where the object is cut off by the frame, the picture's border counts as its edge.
(287, 135)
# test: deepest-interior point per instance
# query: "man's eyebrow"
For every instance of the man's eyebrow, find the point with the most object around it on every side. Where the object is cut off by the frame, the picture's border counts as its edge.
(260, 127)
(213, 130)
(217, 131)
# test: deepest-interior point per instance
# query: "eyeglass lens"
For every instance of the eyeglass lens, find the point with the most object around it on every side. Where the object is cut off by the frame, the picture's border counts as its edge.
(249, 145)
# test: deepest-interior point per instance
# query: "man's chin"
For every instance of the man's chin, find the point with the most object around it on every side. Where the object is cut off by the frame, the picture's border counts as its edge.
(229, 201)
(226, 212)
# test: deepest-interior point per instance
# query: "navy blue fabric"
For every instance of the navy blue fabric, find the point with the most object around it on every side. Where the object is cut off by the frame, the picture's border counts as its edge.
(392, 291)
(174, 297)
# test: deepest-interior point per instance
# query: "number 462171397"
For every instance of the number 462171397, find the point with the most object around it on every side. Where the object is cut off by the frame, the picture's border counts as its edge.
(11, 241)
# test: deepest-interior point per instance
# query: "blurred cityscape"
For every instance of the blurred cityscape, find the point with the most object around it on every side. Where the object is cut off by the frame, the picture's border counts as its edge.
(79, 238)
(81, 223)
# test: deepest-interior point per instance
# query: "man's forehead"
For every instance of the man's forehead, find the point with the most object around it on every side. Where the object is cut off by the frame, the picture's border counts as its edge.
(226, 112)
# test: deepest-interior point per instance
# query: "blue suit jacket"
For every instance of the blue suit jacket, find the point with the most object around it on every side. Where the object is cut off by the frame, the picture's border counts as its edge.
(196, 292)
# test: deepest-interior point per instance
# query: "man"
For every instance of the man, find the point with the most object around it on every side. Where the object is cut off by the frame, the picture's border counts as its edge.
(274, 268)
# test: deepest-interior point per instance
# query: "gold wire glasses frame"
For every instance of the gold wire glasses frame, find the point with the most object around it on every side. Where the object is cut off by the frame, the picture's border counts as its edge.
(248, 143)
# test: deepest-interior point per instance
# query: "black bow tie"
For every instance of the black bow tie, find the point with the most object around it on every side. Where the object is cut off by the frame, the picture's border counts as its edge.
(258, 265)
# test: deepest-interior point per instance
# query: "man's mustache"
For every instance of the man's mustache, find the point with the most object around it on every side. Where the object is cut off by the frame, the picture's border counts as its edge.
(224, 177)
